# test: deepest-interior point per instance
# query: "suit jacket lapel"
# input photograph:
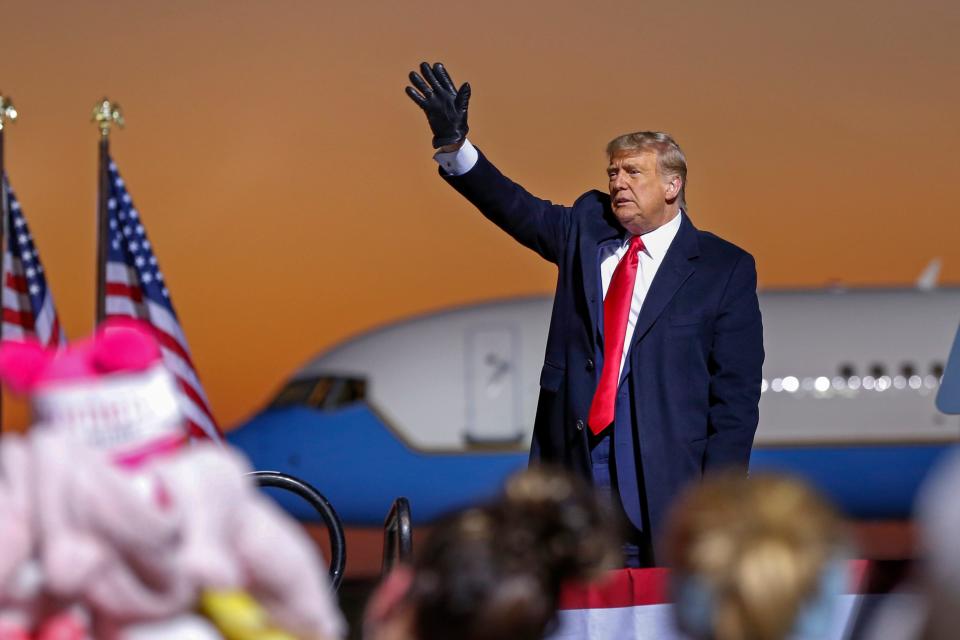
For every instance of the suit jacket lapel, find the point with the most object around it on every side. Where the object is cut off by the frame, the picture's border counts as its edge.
(677, 266)
(599, 230)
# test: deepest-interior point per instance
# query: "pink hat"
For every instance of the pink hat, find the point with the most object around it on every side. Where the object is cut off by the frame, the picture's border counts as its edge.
(110, 391)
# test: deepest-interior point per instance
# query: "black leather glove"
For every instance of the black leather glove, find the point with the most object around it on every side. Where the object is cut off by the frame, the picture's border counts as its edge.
(445, 106)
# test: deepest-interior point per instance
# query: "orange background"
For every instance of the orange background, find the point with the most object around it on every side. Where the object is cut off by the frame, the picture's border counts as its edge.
(287, 183)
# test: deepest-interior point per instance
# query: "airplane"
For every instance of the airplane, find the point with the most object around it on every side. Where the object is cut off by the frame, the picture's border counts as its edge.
(439, 408)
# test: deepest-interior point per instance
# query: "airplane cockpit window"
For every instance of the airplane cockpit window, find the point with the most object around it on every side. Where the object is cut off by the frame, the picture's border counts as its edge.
(326, 392)
(295, 392)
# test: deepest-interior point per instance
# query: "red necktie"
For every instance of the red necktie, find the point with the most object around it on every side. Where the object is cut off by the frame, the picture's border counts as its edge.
(616, 309)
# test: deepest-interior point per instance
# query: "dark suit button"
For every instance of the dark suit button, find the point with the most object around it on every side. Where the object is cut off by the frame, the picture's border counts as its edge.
(590, 364)
(579, 425)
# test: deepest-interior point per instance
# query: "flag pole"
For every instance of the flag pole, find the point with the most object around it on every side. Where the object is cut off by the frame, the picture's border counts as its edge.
(8, 113)
(105, 115)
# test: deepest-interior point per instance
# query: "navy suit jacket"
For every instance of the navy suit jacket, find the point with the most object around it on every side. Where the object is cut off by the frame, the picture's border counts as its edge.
(691, 383)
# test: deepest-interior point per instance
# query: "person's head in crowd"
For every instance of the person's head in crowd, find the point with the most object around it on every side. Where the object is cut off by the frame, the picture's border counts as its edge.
(935, 615)
(758, 558)
(924, 605)
(495, 571)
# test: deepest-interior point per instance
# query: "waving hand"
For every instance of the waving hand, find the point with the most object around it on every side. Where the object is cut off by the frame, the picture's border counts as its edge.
(444, 104)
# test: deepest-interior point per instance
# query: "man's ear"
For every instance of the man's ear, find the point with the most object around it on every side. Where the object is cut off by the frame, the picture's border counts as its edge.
(673, 187)
(386, 599)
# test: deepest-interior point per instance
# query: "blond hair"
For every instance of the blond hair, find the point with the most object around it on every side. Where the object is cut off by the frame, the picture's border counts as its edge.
(758, 546)
(670, 159)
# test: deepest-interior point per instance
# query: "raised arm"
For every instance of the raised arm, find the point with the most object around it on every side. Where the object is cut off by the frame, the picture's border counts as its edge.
(537, 224)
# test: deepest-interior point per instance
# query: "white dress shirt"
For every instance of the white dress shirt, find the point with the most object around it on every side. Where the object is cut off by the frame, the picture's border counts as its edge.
(656, 243)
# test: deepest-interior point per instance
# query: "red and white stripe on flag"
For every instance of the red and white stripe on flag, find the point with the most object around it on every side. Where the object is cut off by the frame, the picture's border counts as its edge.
(634, 603)
(28, 309)
(125, 299)
(136, 288)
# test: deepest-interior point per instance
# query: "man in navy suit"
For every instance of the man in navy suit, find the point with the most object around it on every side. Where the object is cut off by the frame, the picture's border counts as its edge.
(652, 370)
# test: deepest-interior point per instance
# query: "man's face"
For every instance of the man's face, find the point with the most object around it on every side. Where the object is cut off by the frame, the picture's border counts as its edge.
(638, 193)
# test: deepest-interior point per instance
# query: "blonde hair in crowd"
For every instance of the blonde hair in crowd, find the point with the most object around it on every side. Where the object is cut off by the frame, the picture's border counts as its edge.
(759, 545)
(670, 158)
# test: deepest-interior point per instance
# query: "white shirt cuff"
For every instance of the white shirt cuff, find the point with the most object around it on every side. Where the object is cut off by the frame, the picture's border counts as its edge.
(457, 163)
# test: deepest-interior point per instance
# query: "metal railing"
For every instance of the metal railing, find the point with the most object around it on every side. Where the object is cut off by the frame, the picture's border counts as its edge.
(397, 535)
(338, 545)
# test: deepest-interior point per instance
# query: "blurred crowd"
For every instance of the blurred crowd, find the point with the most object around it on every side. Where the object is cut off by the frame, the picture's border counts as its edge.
(114, 525)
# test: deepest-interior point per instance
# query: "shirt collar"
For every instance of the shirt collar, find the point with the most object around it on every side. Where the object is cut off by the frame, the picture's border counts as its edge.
(657, 242)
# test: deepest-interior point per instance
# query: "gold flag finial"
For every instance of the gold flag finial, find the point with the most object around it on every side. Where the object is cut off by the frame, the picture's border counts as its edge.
(8, 112)
(106, 114)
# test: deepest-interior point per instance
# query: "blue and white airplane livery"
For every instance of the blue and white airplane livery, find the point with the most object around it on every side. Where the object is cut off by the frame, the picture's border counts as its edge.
(440, 408)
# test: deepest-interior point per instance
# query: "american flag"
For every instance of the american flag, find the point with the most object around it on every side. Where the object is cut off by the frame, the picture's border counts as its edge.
(28, 309)
(136, 289)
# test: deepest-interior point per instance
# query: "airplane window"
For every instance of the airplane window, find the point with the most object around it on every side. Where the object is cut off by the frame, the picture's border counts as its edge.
(295, 392)
(322, 392)
(343, 391)
(936, 369)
